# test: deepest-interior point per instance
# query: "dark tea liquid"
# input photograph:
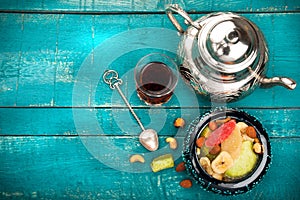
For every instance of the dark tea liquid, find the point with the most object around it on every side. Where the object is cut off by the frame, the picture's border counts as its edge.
(155, 82)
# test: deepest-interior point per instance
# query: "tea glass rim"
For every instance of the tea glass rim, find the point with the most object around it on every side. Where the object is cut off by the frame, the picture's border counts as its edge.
(173, 69)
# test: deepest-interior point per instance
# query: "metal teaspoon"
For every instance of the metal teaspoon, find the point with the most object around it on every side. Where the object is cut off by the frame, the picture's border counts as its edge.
(148, 137)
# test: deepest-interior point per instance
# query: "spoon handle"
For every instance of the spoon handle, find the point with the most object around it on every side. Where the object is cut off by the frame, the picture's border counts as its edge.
(130, 108)
(111, 77)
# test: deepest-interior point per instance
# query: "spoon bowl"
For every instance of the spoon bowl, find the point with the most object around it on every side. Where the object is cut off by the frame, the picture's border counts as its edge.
(148, 138)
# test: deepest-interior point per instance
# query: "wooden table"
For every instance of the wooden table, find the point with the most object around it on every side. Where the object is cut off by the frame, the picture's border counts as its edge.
(66, 135)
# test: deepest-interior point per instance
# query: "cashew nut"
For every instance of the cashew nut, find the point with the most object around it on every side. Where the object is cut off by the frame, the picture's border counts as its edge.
(137, 158)
(172, 142)
(258, 148)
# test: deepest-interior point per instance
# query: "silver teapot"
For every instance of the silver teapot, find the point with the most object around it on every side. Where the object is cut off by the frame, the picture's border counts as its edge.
(223, 55)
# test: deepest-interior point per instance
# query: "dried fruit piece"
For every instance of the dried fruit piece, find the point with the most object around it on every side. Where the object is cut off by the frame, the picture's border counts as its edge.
(245, 162)
(137, 158)
(172, 142)
(217, 176)
(257, 148)
(205, 152)
(247, 138)
(215, 150)
(179, 122)
(233, 143)
(206, 132)
(205, 164)
(220, 134)
(211, 156)
(222, 121)
(242, 126)
(200, 141)
(162, 162)
(222, 162)
(250, 131)
(180, 167)
(187, 183)
(212, 125)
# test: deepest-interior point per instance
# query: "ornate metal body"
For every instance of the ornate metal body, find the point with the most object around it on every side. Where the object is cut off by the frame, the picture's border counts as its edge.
(223, 55)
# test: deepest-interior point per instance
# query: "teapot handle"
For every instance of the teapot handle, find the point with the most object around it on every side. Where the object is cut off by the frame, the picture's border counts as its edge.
(283, 81)
(175, 8)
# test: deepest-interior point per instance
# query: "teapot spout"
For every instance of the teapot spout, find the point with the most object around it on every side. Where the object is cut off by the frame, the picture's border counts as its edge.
(282, 81)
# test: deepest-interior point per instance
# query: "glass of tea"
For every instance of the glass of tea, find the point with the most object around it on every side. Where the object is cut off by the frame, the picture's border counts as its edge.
(156, 77)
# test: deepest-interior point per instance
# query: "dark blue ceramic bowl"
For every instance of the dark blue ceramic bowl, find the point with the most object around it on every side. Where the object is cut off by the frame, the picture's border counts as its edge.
(236, 186)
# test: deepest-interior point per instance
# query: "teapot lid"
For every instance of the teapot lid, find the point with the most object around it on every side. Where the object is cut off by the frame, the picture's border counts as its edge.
(230, 43)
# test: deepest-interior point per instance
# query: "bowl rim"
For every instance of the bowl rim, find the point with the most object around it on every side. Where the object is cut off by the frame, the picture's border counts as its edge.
(207, 182)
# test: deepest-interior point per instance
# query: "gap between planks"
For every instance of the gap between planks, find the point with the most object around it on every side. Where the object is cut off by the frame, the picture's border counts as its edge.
(147, 107)
(132, 12)
(120, 136)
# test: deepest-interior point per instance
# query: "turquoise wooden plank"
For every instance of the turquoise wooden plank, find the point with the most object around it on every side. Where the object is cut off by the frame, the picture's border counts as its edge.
(90, 31)
(37, 71)
(61, 167)
(118, 121)
(286, 63)
(266, 23)
(72, 48)
(49, 63)
(40, 58)
(149, 6)
(36, 121)
(10, 54)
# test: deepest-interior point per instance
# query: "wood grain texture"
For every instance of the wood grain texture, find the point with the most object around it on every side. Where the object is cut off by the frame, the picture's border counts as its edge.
(118, 121)
(61, 142)
(42, 71)
(61, 167)
(149, 6)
